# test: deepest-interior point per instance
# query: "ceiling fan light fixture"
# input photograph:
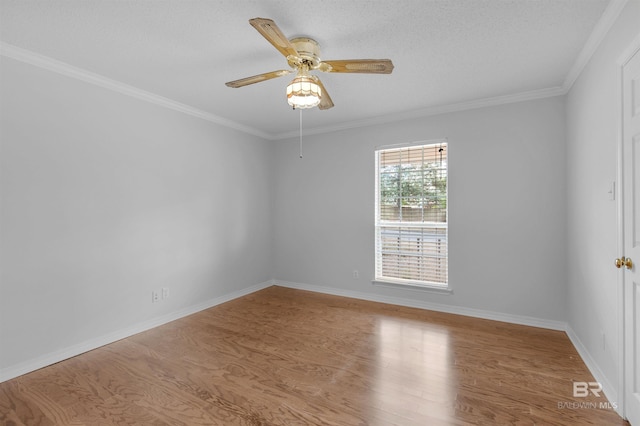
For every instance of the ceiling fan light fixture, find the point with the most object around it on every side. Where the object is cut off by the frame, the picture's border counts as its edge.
(303, 54)
(303, 92)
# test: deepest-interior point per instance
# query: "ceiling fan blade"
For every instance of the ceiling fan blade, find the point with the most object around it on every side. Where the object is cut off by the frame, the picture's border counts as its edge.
(258, 78)
(272, 33)
(325, 99)
(366, 66)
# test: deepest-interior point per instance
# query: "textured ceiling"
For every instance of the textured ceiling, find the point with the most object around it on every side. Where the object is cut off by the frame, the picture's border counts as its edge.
(445, 52)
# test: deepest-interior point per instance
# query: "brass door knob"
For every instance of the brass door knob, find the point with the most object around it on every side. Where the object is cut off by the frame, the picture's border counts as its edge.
(624, 261)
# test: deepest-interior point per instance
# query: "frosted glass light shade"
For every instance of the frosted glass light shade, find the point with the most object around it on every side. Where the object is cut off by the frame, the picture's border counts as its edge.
(303, 92)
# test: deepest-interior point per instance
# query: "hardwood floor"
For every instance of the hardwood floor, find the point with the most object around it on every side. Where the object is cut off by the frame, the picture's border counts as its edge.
(290, 357)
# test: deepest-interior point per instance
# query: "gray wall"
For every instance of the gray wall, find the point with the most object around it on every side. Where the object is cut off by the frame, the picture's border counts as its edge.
(104, 198)
(592, 135)
(507, 210)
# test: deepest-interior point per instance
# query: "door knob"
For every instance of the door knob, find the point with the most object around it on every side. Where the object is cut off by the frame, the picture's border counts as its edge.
(624, 261)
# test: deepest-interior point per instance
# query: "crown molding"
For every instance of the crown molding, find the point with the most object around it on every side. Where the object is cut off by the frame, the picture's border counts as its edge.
(601, 29)
(604, 24)
(50, 64)
(63, 68)
(430, 111)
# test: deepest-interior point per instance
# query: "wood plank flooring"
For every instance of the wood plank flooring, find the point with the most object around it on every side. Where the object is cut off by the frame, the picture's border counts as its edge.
(290, 357)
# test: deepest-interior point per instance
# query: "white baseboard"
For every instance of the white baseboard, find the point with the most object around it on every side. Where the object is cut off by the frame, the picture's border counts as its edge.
(25, 367)
(439, 307)
(610, 391)
(57, 356)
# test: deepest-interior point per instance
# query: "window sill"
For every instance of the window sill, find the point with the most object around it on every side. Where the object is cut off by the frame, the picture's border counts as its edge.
(415, 287)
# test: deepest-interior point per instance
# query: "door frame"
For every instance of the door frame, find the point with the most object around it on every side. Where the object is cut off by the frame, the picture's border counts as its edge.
(626, 56)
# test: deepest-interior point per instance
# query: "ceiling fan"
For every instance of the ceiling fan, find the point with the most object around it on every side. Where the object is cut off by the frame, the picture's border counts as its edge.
(303, 55)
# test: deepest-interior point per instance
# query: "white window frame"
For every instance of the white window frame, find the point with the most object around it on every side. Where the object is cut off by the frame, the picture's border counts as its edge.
(379, 224)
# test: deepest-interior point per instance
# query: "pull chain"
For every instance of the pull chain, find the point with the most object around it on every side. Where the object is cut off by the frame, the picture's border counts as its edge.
(300, 132)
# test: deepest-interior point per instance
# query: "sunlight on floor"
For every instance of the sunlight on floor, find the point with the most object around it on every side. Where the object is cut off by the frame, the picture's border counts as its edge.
(415, 378)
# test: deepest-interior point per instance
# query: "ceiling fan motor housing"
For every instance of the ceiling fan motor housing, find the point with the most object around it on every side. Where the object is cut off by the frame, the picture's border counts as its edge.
(308, 50)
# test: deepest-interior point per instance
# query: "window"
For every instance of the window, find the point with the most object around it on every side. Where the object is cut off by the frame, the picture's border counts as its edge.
(411, 215)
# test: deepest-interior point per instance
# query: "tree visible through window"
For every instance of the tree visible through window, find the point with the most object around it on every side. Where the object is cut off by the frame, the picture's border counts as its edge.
(411, 215)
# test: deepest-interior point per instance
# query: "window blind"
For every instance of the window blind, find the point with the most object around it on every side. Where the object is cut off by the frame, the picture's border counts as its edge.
(411, 215)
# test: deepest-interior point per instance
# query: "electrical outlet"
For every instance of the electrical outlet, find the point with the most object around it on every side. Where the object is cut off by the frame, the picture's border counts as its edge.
(155, 296)
(356, 274)
(165, 292)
